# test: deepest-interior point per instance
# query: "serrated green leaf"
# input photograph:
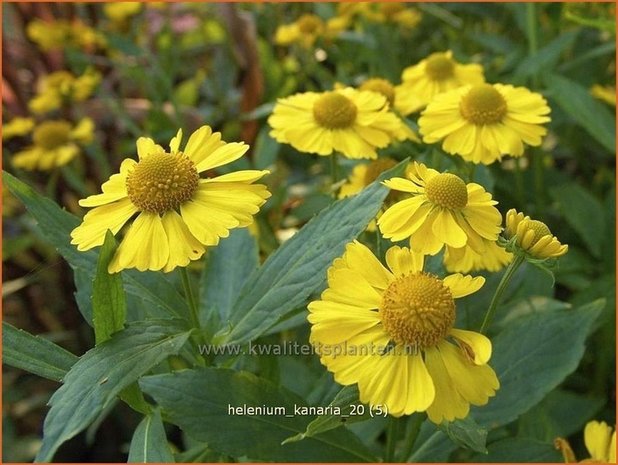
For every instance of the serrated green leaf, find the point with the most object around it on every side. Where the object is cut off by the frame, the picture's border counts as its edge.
(466, 433)
(583, 212)
(344, 401)
(102, 373)
(34, 354)
(534, 354)
(292, 273)
(149, 442)
(199, 401)
(227, 268)
(109, 306)
(577, 102)
(520, 450)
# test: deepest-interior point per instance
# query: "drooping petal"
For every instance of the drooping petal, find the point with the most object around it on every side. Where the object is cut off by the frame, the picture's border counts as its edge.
(477, 346)
(144, 247)
(446, 229)
(96, 222)
(183, 246)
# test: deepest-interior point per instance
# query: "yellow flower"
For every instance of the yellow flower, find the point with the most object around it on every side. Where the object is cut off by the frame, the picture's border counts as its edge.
(391, 332)
(55, 144)
(305, 31)
(442, 210)
(62, 86)
(398, 97)
(17, 127)
(348, 121)
(178, 212)
(465, 259)
(484, 122)
(532, 236)
(364, 174)
(58, 34)
(120, 12)
(398, 13)
(600, 440)
(439, 73)
(605, 93)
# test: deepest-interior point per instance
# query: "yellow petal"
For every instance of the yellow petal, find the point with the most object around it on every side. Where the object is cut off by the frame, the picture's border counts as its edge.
(146, 146)
(423, 240)
(96, 222)
(175, 142)
(446, 229)
(404, 218)
(245, 176)
(183, 246)
(403, 185)
(347, 285)
(334, 327)
(404, 261)
(475, 344)
(462, 286)
(222, 156)
(113, 189)
(202, 143)
(359, 258)
(596, 437)
(448, 403)
(145, 246)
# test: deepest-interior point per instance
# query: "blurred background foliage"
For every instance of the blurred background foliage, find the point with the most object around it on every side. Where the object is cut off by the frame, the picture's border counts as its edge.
(164, 66)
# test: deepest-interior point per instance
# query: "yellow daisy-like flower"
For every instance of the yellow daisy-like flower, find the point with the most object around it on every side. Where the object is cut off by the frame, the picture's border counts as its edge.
(442, 210)
(348, 121)
(305, 31)
(465, 259)
(398, 96)
(58, 34)
(62, 86)
(398, 13)
(484, 122)
(439, 73)
(178, 212)
(533, 236)
(391, 332)
(605, 93)
(55, 143)
(120, 12)
(600, 440)
(17, 127)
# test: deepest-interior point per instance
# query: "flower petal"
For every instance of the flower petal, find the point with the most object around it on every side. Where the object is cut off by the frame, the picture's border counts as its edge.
(462, 286)
(113, 189)
(183, 246)
(476, 345)
(222, 156)
(146, 146)
(175, 142)
(446, 229)
(404, 261)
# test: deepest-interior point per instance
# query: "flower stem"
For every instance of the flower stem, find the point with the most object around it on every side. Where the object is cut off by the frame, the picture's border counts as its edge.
(391, 439)
(186, 285)
(414, 427)
(508, 274)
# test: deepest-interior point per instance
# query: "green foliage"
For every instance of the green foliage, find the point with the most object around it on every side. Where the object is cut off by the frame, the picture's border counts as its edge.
(466, 433)
(149, 443)
(102, 373)
(204, 414)
(520, 450)
(35, 354)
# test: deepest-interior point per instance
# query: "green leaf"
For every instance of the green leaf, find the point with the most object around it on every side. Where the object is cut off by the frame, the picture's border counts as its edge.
(34, 354)
(520, 450)
(227, 268)
(547, 57)
(577, 102)
(149, 443)
(298, 268)
(158, 296)
(102, 373)
(432, 445)
(109, 306)
(265, 150)
(202, 403)
(347, 402)
(583, 212)
(466, 433)
(533, 355)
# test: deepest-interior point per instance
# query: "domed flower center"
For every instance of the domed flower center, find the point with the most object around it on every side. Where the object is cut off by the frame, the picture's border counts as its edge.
(390, 9)
(417, 310)
(483, 104)
(334, 111)
(439, 67)
(381, 86)
(309, 24)
(376, 168)
(52, 134)
(540, 229)
(162, 181)
(447, 190)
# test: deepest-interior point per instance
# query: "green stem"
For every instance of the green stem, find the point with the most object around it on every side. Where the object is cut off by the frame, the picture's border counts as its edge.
(334, 173)
(391, 439)
(414, 428)
(508, 274)
(186, 285)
